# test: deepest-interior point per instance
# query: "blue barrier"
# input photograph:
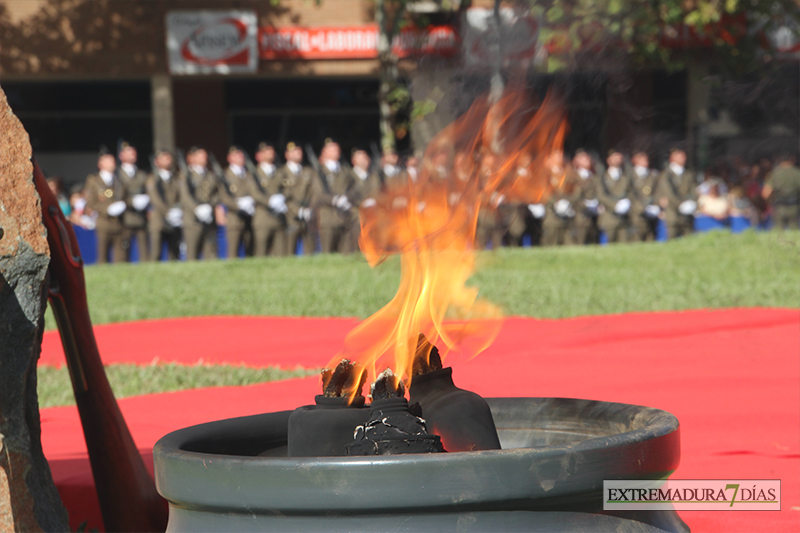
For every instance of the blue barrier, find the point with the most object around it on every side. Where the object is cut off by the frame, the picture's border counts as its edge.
(661, 231)
(740, 224)
(87, 243)
(704, 223)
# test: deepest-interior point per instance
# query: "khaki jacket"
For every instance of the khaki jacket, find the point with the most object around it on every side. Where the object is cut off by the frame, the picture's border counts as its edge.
(611, 191)
(197, 189)
(164, 195)
(676, 189)
(297, 190)
(99, 196)
(644, 192)
(342, 182)
(264, 186)
(134, 185)
(785, 183)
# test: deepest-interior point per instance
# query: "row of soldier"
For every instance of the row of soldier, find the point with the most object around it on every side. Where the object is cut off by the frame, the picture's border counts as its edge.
(273, 210)
(268, 209)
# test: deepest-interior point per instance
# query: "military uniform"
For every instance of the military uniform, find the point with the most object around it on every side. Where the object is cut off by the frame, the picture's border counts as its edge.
(584, 225)
(199, 187)
(644, 209)
(110, 230)
(269, 224)
(296, 186)
(565, 192)
(164, 188)
(785, 197)
(677, 188)
(367, 188)
(333, 222)
(239, 226)
(134, 220)
(613, 193)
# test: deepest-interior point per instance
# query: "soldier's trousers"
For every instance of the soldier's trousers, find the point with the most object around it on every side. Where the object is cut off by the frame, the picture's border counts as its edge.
(142, 243)
(645, 229)
(556, 232)
(680, 227)
(200, 237)
(110, 238)
(618, 231)
(296, 234)
(487, 234)
(237, 232)
(335, 239)
(585, 229)
(269, 239)
(785, 217)
(169, 235)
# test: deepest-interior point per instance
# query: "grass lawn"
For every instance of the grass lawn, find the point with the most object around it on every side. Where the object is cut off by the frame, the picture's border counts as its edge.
(710, 270)
(713, 269)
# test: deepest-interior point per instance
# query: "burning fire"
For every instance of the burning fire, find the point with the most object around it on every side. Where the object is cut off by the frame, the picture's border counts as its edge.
(495, 153)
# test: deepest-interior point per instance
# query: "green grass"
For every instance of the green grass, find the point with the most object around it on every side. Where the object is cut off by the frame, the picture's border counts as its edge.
(714, 269)
(130, 380)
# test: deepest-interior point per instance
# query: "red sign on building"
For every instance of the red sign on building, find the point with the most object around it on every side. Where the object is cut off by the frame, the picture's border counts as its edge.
(360, 42)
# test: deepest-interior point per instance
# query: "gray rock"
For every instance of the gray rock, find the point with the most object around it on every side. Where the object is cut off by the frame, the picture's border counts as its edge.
(28, 497)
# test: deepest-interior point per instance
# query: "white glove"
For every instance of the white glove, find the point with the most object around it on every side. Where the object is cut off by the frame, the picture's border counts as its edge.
(652, 211)
(175, 217)
(341, 202)
(687, 207)
(369, 202)
(246, 204)
(592, 205)
(622, 207)
(304, 213)
(204, 213)
(277, 202)
(140, 201)
(562, 207)
(116, 208)
(537, 210)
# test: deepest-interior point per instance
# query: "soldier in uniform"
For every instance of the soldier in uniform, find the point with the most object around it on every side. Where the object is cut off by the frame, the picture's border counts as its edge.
(236, 195)
(166, 218)
(614, 195)
(585, 221)
(368, 186)
(105, 194)
(563, 202)
(296, 181)
(514, 214)
(645, 211)
(199, 194)
(333, 194)
(134, 220)
(782, 191)
(677, 195)
(269, 220)
(490, 228)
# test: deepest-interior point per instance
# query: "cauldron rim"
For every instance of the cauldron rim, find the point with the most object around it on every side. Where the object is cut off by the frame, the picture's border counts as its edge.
(194, 479)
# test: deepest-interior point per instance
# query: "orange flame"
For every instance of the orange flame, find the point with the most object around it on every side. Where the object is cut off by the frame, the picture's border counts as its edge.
(494, 153)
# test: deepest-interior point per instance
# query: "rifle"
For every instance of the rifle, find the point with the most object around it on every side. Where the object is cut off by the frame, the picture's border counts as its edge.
(312, 158)
(216, 168)
(126, 492)
(376, 160)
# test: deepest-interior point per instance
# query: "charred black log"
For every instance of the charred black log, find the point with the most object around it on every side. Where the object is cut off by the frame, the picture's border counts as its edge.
(391, 428)
(462, 418)
(324, 429)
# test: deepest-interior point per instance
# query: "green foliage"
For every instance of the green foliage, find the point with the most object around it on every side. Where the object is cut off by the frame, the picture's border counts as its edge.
(54, 387)
(706, 270)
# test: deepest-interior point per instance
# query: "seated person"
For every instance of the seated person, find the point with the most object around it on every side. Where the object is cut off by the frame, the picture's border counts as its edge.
(713, 202)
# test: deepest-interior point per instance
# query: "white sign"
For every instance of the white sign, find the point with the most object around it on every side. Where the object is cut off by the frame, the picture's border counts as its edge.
(206, 42)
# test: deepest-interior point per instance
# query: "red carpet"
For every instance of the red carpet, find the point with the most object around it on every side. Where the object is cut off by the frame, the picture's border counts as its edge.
(732, 377)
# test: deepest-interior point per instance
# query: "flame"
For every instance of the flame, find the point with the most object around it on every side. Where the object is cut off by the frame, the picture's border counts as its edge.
(494, 153)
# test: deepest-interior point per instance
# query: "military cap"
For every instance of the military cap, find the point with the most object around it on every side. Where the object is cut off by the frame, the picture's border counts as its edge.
(194, 149)
(291, 146)
(329, 140)
(613, 151)
(124, 145)
(356, 149)
(103, 150)
(235, 148)
(264, 145)
(163, 151)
